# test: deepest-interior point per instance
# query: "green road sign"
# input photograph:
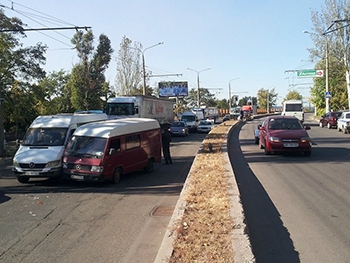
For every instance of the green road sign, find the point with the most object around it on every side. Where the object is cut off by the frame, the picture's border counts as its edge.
(310, 73)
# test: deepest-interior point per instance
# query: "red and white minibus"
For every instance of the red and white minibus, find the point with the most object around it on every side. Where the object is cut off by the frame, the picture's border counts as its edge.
(104, 151)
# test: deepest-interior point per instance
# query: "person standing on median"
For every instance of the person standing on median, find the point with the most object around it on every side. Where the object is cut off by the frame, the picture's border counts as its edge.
(166, 139)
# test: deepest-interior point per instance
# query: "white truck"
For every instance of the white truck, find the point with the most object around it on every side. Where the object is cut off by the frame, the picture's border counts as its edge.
(140, 106)
(191, 119)
(211, 113)
(41, 150)
(293, 108)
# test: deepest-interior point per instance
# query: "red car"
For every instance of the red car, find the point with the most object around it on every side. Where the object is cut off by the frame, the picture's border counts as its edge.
(330, 119)
(281, 134)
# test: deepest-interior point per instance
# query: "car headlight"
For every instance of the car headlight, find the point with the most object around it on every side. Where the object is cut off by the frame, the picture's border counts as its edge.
(274, 139)
(53, 164)
(15, 163)
(305, 139)
(97, 169)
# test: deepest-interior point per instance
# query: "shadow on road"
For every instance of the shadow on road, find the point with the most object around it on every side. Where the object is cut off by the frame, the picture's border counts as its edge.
(269, 238)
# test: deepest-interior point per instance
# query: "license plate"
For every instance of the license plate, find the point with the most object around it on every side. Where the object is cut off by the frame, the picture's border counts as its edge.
(291, 145)
(77, 177)
(31, 173)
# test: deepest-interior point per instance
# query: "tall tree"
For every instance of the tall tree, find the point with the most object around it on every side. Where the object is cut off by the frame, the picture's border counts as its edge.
(18, 64)
(129, 69)
(87, 82)
(332, 32)
(267, 98)
(207, 99)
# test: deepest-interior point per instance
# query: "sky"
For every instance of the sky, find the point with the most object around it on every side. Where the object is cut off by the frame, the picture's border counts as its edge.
(248, 45)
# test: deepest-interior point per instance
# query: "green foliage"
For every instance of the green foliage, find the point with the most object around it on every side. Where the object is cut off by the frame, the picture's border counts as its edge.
(293, 95)
(206, 98)
(87, 82)
(266, 98)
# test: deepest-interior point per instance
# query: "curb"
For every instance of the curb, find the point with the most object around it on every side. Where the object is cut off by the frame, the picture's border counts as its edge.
(240, 240)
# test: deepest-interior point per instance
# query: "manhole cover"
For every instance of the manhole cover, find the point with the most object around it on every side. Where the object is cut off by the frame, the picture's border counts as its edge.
(162, 211)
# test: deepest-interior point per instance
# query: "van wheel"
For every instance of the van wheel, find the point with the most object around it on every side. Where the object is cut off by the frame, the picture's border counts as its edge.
(149, 167)
(22, 179)
(116, 175)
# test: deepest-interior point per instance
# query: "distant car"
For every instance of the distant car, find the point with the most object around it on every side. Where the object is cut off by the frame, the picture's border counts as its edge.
(227, 117)
(256, 134)
(205, 126)
(210, 119)
(282, 134)
(330, 119)
(179, 128)
(343, 122)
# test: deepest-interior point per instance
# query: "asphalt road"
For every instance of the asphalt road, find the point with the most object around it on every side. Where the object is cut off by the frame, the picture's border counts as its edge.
(82, 222)
(296, 207)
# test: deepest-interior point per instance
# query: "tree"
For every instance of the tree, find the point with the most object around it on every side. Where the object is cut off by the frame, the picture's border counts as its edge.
(19, 66)
(207, 99)
(293, 95)
(334, 18)
(129, 73)
(267, 98)
(87, 80)
(52, 94)
(244, 101)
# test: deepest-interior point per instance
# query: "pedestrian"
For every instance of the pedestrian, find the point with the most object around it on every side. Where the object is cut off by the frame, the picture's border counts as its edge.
(166, 139)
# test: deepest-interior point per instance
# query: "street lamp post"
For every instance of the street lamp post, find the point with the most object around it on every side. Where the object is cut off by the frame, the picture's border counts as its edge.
(229, 92)
(327, 68)
(198, 93)
(144, 66)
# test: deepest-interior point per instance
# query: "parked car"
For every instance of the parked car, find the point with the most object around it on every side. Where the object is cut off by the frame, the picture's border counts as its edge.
(330, 119)
(281, 134)
(257, 134)
(343, 122)
(205, 126)
(227, 117)
(179, 128)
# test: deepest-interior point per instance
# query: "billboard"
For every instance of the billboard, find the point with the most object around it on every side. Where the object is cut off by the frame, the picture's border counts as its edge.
(173, 89)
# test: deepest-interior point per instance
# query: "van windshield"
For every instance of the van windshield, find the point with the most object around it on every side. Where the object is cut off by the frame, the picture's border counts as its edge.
(188, 118)
(83, 146)
(120, 109)
(45, 137)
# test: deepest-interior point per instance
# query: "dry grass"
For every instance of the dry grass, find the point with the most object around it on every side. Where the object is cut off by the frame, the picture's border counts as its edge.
(204, 232)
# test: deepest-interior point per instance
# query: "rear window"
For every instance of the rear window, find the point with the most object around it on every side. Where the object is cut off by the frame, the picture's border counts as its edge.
(293, 107)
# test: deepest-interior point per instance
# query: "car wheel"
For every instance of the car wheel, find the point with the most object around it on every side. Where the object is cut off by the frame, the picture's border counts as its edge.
(22, 179)
(321, 125)
(261, 146)
(267, 152)
(307, 153)
(256, 140)
(149, 167)
(345, 131)
(117, 175)
(329, 126)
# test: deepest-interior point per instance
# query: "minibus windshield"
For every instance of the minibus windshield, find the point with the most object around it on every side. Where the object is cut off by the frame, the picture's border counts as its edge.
(45, 137)
(84, 146)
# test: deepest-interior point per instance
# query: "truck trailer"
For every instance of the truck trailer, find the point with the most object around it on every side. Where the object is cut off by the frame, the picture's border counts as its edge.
(140, 106)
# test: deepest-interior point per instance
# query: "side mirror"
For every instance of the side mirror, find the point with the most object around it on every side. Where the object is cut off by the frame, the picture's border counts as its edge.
(111, 151)
(261, 128)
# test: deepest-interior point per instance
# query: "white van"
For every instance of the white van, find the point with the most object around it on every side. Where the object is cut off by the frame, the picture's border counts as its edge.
(40, 153)
(293, 108)
(104, 151)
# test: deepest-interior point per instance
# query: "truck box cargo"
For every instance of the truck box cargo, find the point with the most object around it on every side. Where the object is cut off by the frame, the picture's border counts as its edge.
(140, 106)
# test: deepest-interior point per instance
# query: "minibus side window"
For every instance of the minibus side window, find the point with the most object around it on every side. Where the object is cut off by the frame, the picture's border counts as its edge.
(114, 146)
(133, 141)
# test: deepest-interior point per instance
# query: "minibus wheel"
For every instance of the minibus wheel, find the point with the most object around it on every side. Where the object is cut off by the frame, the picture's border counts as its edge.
(149, 167)
(117, 175)
(22, 179)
